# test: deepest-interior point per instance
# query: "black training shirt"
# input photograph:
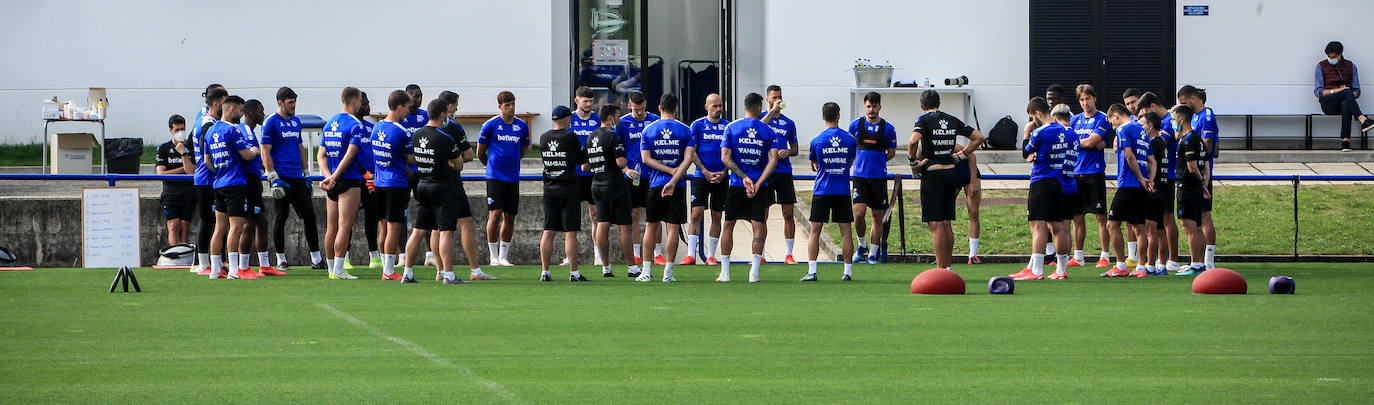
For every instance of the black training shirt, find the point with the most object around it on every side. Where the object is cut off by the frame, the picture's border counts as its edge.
(562, 152)
(938, 136)
(174, 190)
(603, 148)
(433, 150)
(1191, 149)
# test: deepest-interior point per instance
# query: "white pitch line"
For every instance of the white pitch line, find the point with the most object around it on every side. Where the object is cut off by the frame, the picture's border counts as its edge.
(495, 387)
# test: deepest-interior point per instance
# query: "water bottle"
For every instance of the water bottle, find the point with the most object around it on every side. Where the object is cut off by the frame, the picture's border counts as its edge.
(927, 81)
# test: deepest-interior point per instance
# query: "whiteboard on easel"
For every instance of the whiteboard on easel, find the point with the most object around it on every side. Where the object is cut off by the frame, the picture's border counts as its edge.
(109, 227)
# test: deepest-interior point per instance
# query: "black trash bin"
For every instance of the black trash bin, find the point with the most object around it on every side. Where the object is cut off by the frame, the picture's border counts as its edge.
(122, 155)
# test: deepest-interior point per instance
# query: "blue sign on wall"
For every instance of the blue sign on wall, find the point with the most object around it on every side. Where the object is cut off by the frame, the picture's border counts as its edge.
(1196, 10)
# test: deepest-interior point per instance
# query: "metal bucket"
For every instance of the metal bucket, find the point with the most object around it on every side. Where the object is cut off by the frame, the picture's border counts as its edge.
(867, 77)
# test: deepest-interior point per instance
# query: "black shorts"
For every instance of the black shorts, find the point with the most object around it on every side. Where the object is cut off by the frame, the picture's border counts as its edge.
(870, 191)
(562, 214)
(837, 208)
(440, 206)
(1129, 205)
(1207, 203)
(1161, 202)
(962, 179)
(671, 209)
(232, 200)
(738, 205)
(256, 204)
(183, 210)
(342, 186)
(784, 190)
(638, 194)
(392, 203)
(584, 189)
(504, 196)
(938, 193)
(1191, 204)
(612, 203)
(1070, 205)
(1092, 192)
(708, 194)
(1043, 202)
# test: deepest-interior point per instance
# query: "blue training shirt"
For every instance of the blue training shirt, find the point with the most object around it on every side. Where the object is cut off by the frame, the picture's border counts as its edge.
(750, 141)
(1131, 137)
(630, 131)
(1205, 123)
(415, 121)
(202, 175)
(871, 159)
(833, 151)
(1091, 160)
(252, 169)
(1069, 185)
(666, 140)
(390, 141)
(786, 129)
(709, 136)
(344, 130)
(284, 134)
(505, 147)
(1167, 130)
(224, 142)
(583, 128)
(1049, 144)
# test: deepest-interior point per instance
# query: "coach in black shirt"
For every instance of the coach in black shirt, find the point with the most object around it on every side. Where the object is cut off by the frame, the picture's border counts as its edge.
(933, 146)
(443, 203)
(178, 196)
(562, 152)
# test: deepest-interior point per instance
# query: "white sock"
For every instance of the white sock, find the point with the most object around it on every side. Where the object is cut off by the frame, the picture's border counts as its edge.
(668, 270)
(711, 243)
(205, 259)
(338, 265)
(596, 253)
(401, 258)
(347, 256)
(494, 250)
(1105, 255)
(233, 262)
(448, 275)
(692, 242)
(1131, 251)
(264, 259)
(637, 250)
(474, 271)
(213, 262)
(1037, 263)
(505, 251)
(1078, 255)
(545, 272)
(1049, 248)
(647, 271)
(725, 265)
(315, 257)
(409, 272)
(1197, 265)
(863, 241)
(244, 258)
(374, 255)
(849, 269)
(574, 273)
(1120, 265)
(428, 255)
(1211, 260)
(811, 267)
(605, 269)
(872, 250)
(634, 268)
(281, 258)
(972, 247)
(1063, 264)
(658, 249)
(388, 265)
(754, 265)
(790, 243)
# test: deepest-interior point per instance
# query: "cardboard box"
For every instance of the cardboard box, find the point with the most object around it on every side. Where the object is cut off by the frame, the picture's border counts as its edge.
(72, 153)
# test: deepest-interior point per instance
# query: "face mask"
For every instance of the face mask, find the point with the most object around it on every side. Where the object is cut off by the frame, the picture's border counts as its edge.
(179, 136)
(1177, 127)
(1333, 62)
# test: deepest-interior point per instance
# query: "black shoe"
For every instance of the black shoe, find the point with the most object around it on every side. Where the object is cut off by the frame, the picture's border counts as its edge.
(409, 280)
(320, 266)
(608, 274)
(809, 277)
(847, 278)
(1345, 145)
(1367, 125)
(577, 278)
(632, 275)
(545, 277)
(455, 280)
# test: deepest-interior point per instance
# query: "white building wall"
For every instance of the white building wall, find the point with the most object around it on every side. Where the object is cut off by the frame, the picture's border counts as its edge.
(156, 57)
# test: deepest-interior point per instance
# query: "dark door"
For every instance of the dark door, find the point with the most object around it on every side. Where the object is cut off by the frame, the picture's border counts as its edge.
(1112, 44)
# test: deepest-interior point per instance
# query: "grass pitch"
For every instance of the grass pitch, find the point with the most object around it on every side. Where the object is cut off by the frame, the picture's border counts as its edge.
(306, 339)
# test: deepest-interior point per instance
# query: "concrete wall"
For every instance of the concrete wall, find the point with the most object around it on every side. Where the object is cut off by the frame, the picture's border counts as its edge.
(46, 232)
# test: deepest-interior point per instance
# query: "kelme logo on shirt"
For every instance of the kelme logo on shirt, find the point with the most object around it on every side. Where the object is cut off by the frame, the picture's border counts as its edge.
(834, 142)
(424, 142)
(944, 124)
(334, 126)
(553, 145)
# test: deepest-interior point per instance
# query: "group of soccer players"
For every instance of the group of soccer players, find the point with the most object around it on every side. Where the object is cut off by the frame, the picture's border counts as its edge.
(1164, 160)
(656, 171)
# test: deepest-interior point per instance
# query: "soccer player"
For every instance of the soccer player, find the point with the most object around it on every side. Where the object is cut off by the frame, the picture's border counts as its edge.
(504, 140)
(1205, 123)
(781, 182)
(584, 122)
(1045, 150)
(934, 147)
(389, 141)
(631, 130)
(709, 185)
(1093, 131)
(226, 153)
(366, 198)
(748, 152)
(204, 177)
(1152, 241)
(664, 149)
(284, 158)
(255, 227)
(561, 152)
(439, 156)
(606, 162)
(832, 156)
(1071, 204)
(1193, 194)
(968, 179)
(178, 196)
(415, 117)
(1165, 187)
(1132, 186)
(877, 141)
(1130, 98)
(342, 139)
